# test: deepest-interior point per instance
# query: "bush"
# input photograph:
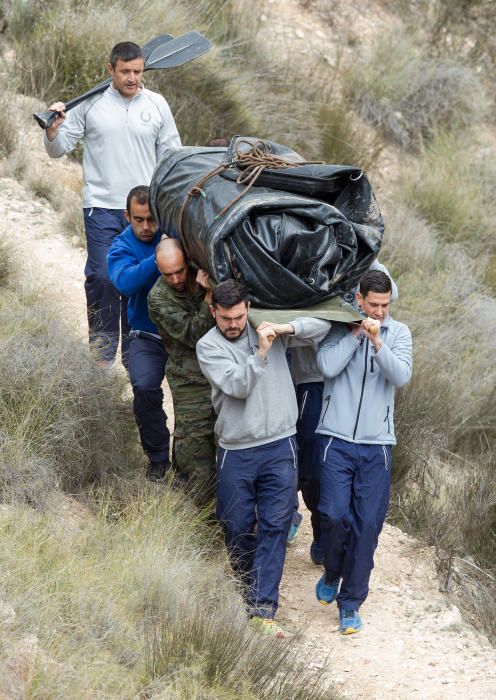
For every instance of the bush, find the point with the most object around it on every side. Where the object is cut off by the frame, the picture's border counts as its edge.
(63, 421)
(410, 96)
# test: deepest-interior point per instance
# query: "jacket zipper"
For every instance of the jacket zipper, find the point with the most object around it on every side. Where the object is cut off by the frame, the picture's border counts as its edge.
(363, 387)
(328, 399)
(387, 419)
(305, 396)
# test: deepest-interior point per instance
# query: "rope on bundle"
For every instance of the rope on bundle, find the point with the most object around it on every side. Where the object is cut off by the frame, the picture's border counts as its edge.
(251, 164)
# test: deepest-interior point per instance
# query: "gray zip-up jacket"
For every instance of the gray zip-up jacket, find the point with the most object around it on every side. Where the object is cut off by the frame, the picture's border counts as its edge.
(123, 140)
(359, 383)
(254, 399)
(303, 360)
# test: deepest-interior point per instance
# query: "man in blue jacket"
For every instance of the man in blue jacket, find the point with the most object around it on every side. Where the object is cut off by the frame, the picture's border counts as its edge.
(133, 272)
(362, 366)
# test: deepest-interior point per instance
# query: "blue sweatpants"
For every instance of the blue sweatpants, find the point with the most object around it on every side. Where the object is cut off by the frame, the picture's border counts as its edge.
(309, 396)
(107, 309)
(147, 360)
(256, 486)
(354, 497)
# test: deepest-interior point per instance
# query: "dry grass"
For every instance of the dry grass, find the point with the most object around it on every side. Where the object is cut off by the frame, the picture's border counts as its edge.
(451, 188)
(64, 423)
(133, 602)
(444, 482)
(410, 96)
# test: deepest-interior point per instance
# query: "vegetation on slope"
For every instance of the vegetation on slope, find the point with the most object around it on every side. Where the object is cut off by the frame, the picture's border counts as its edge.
(439, 215)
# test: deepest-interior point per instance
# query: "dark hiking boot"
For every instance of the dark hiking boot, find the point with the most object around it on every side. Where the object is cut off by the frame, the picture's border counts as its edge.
(156, 471)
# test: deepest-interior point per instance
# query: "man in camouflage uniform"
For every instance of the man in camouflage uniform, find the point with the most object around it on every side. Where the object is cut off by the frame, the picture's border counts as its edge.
(178, 305)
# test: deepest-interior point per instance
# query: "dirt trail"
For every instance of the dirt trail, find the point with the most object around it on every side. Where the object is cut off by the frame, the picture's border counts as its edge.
(415, 643)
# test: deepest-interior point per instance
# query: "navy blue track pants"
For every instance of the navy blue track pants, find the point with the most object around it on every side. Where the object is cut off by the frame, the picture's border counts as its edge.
(147, 360)
(309, 397)
(354, 497)
(107, 309)
(256, 486)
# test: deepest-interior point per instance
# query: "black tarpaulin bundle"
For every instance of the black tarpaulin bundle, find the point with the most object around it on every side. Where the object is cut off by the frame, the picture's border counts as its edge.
(298, 236)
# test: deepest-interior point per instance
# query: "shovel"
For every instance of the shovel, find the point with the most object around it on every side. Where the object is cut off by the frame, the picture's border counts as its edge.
(164, 51)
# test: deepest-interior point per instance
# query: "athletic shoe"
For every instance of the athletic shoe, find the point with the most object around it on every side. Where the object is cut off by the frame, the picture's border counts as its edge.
(316, 553)
(156, 471)
(326, 593)
(349, 621)
(266, 626)
(295, 526)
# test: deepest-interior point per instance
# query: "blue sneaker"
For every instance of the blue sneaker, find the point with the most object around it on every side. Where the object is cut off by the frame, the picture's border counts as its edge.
(316, 553)
(295, 526)
(349, 621)
(326, 593)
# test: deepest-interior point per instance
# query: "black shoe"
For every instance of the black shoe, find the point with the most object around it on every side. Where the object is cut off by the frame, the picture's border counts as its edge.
(156, 471)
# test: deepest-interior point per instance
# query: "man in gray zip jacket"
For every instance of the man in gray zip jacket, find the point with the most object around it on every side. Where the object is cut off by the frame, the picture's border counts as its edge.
(126, 130)
(309, 391)
(254, 398)
(362, 366)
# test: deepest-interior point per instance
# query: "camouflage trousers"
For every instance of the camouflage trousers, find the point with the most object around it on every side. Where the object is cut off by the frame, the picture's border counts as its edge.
(193, 451)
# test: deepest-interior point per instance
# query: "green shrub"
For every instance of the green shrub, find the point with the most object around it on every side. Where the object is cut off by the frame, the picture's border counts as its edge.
(410, 96)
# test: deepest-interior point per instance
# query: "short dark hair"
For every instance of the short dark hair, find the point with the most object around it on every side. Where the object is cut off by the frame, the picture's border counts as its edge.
(229, 293)
(141, 193)
(375, 281)
(125, 51)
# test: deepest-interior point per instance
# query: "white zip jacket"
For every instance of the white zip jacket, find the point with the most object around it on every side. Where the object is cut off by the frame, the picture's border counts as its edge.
(123, 141)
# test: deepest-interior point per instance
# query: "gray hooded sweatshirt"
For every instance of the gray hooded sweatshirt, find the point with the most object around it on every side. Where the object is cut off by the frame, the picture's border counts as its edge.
(254, 399)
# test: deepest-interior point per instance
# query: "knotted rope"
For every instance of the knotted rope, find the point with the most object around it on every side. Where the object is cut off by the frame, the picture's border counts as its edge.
(251, 164)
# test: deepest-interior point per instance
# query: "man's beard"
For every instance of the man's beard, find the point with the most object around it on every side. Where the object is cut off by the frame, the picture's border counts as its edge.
(232, 338)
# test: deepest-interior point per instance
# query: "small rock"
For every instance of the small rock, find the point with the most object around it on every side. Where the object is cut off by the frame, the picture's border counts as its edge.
(7, 615)
(451, 619)
(300, 34)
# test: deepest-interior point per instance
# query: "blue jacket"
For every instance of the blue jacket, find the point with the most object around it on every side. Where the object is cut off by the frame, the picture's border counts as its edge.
(359, 383)
(133, 272)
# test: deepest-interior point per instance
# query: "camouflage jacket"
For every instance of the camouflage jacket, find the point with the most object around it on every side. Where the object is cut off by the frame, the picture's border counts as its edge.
(182, 318)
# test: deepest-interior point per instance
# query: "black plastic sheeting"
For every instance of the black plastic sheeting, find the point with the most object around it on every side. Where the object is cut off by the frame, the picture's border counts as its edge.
(299, 236)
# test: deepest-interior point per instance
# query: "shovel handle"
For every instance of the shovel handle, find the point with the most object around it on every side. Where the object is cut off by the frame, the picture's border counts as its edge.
(45, 119)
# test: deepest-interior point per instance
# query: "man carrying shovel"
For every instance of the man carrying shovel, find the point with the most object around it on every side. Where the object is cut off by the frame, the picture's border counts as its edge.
(125, 130)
